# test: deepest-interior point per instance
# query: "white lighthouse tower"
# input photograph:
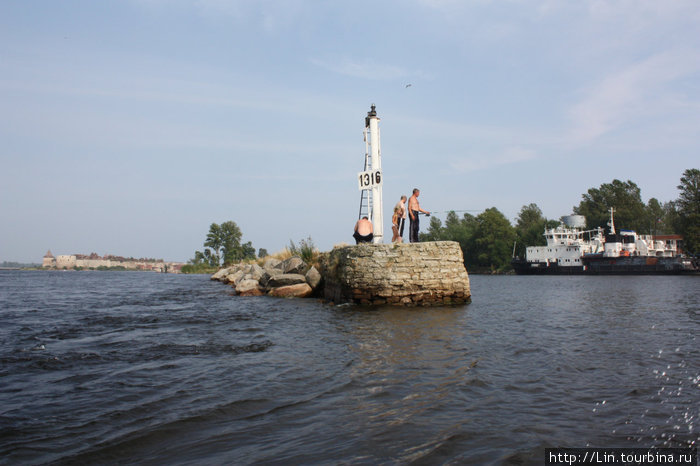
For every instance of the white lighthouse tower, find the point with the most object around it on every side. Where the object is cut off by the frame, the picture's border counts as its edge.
(370, 180)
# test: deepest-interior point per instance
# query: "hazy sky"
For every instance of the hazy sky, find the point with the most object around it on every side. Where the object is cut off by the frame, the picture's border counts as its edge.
(128, 127)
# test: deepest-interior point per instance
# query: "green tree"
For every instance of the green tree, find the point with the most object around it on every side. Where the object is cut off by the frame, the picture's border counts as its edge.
(530, 215)
(460, 229)
(197, 259)
(231, 243)
(493, 240)
(624, 197)
(435, 231)
(211, 258)
(247, 251)
(223, 242)
(464, 234)
(658, 219)
(207, 258)
(262, 252)
(530, 228)
(214, 241)
(688, 208)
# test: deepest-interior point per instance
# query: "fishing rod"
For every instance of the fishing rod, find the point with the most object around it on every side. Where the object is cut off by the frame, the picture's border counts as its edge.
(455, 211)
(446, 212)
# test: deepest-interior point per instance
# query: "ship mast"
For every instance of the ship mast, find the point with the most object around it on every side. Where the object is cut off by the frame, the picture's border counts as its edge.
(611, 223)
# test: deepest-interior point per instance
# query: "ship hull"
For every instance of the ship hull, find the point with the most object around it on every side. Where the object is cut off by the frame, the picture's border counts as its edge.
(599, 265)
(522, 267)
(641, 265)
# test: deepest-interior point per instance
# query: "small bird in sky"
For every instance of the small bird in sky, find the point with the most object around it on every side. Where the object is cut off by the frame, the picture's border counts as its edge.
(409, 85)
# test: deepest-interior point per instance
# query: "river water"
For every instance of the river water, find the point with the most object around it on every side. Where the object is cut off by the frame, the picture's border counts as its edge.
(133, 367)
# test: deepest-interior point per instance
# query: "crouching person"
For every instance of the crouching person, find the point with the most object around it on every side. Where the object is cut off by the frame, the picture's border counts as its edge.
(364, 232)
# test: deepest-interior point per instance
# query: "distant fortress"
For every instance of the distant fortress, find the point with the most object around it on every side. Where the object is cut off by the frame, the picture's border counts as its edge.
(95, 262)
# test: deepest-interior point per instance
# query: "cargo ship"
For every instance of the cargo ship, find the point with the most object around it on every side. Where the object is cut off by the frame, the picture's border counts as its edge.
(571, 250)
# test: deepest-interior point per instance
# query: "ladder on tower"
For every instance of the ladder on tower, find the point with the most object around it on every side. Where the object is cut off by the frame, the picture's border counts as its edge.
(365, 198)
(365, 207)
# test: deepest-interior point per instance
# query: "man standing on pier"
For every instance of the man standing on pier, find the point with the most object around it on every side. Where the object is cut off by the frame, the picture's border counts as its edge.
(402, 220)
(413, 210)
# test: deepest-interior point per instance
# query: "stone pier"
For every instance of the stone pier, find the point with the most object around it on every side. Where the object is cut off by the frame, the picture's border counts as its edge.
(411, 274)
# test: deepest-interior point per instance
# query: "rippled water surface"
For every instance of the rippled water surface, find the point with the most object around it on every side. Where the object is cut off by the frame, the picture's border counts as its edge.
(119, 367)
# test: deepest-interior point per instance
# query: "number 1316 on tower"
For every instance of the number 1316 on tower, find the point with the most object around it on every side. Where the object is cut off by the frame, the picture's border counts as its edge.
(369, 179)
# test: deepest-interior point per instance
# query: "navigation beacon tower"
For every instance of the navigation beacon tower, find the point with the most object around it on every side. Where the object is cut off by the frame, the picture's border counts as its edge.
(370, 180)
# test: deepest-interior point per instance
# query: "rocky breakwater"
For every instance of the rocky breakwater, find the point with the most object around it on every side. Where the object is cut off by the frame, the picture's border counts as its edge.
(291, 278)
(413, 274)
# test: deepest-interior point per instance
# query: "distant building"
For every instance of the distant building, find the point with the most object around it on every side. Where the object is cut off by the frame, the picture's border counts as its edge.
(49, 260)
(65, 262)
(93, 261)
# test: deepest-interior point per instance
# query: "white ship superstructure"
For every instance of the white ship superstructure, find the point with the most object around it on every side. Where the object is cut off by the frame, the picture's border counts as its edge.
(566, 244)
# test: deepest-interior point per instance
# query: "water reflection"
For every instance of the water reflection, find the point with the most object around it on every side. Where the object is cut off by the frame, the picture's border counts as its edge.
(407, 362)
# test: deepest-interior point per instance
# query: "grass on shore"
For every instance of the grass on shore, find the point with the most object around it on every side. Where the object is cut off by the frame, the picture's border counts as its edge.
(199, 268)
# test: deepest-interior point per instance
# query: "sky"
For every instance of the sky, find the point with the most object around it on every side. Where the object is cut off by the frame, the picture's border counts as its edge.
(129, 127)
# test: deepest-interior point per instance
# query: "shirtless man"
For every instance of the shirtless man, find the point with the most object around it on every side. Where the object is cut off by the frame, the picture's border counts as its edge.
(364, 232)
(413, 210)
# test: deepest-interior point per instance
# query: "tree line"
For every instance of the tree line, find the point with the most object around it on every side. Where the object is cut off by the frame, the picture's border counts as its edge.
(489, 240)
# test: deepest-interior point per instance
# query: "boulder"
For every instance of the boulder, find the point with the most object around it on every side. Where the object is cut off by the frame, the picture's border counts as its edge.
(292, 265)
(221, 274)
(285, 279)
(300, 290)
(270, 264)
(256, 272)
(313, 278)
(234, 277)
(248, 287)
(266, 276)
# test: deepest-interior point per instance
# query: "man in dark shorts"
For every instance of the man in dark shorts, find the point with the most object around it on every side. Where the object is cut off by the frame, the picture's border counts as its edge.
(364, 232)
(414, 209)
